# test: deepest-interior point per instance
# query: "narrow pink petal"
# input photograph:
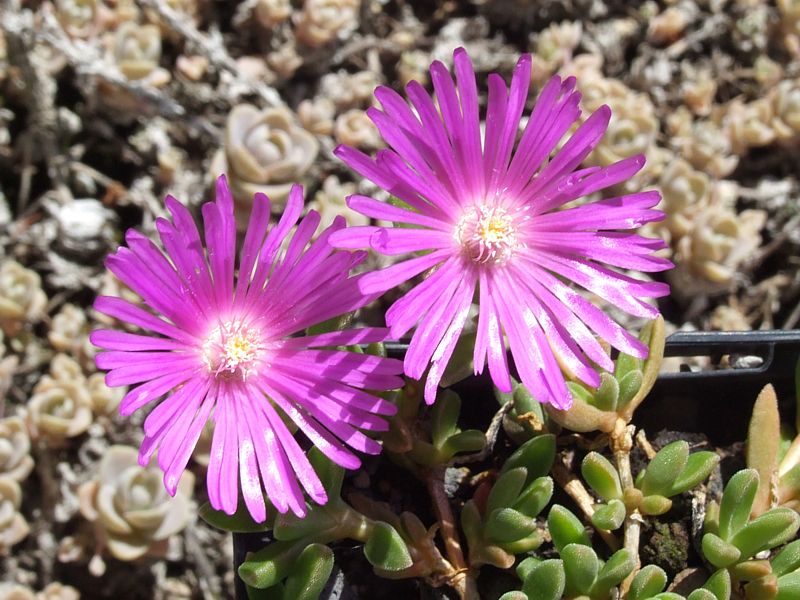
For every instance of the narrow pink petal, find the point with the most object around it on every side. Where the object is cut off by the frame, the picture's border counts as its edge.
(385, 279)
(384, 211)
(402, 240)
(110, 339)
(155, 388)
(130, 313)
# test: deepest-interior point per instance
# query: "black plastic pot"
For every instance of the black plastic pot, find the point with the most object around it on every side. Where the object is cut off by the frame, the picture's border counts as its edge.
(715, 402)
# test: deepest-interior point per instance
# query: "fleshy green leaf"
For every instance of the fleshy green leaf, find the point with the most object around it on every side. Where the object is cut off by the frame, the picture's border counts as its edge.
(508, 525)
(663, 470)
(617, 567)
(288, 526)
(655, 505)
(767, 531)
(268, 566)
(238, 522)
(789, 586)
(335, 324)
(698, 467)
(719, 584)
(609, 516)
(601, 475)
(386, 550)
(506, 489)
(309, 573)
(444, 417)
(763, 438)
(525, 567)
(668, 596)
(546, 581)
(535, 497)
(701, 594)
(750, 570)
(718, 552)
(330, 474)
(470, 440)
(565, 528)
(536, 455)
(629, 386)
(737, 501)
(513, 595)
(647, 583)
(787, 560)
(763, 588)
(581, 566)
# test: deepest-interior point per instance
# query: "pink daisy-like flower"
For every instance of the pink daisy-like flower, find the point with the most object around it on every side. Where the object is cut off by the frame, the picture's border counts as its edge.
(482, 210)
(223, 349)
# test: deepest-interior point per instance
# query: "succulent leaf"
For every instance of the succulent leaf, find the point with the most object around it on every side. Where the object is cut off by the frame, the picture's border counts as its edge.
(737, 502)
(268, 566)
(386, 550)
(330, 474)
(444, 417)
(565, 528)
(655, 505)
(607, 394)
(508, 525)
(601, 475)
(787, 560)
(718, 552)
(663, 470)
(309, 573)
(546, 581)
(581, 567)
(701, 594)
(609, 516)
(767, 531)
(763, 438)
(789, 586)
(506, 489)
(719, 584)
(617, 567)
(535, 497)
(698, 467)
(238, 522)
(648, 582)
(536, 455)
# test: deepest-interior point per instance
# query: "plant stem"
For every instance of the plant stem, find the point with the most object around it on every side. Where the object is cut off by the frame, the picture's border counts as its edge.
(621, 445)
(462, 580)
(576, 490)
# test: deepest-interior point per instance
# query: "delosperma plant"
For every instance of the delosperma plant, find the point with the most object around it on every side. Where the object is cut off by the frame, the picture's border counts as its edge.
(496, 221)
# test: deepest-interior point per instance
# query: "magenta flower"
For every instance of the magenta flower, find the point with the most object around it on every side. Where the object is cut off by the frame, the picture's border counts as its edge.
(482, 213)
(223, 348)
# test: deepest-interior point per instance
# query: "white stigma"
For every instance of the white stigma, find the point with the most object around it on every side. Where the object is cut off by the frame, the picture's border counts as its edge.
(487, 235)
(233, 350)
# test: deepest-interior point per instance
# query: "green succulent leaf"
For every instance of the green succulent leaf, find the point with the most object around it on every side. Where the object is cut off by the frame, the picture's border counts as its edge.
(648, 582)
(524, 402)
(763, 440)
(535, 497)
(581, 566)
(514, 595)
(737, 502)
(701, 594)
(565, 528)
(334, 324)
(238, 522)
(765, 588)
(767, 531)
(787, 560)
(309, 573)
(506, 489)
(546, 581)
(698, 467)
(750, 570)
(526, 544)
(607, 394)
(719, 584)
(444, 417)
(663, 470)
(627, 364)
(617, 567)
(667, 596)
(460, 364)
(609, 516)
(525, 567)
(386, 550)
(508, 525)
(718, 552)
(471, 522)
(601, 475)
(655, 505)
(789, 586)
(536, 455)
(470, 440)
(270, 565)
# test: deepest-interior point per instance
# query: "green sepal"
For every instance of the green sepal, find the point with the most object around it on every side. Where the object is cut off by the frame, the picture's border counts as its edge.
(629, 386)
(546, 581)
(536, 455)
(617, 567)
(737, 502)
(718, 552)
(444, 417)
(601, 475)
(309, 573)
(609, 516)
(789, 586)
(648, 582)
(506, 525)
(655, 505)
(386, 550)
(565, 528)
(663, 470)
(767, 531)
(698, 467)
(581, 566)
(787, 560)
(607, 394)
(701, 594)
(719, 584)
(238, 522)
(330, 474)
(506, 489)
(535, 497)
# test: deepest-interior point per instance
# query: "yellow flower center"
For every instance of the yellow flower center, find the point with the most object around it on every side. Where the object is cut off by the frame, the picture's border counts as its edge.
(487, 234)
(233, 350)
